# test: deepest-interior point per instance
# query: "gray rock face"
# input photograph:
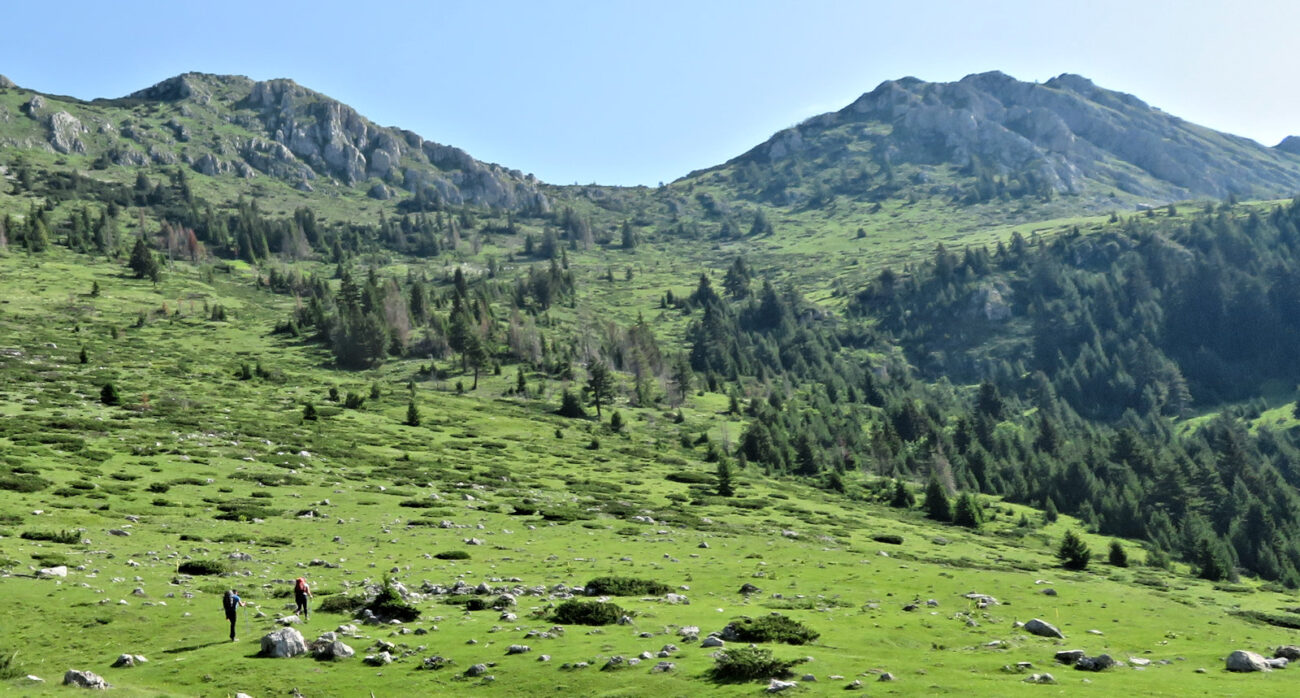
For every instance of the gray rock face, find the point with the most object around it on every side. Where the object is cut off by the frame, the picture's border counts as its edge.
(65, 133)
(283, 643)
(34, 106)
(1242, 660)
(1042, 628)
(52, 572)
(6, 83)
(84, 679)
(1061, 133)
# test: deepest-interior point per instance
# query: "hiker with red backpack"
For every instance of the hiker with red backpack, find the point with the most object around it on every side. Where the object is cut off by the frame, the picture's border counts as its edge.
(301, 592)
(231, 603)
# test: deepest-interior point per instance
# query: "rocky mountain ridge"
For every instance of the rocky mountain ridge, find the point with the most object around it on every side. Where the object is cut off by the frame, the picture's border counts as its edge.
(231, 125)
(1067, 135)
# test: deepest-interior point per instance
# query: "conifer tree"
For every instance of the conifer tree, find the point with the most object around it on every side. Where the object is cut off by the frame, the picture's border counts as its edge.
(967, 512)
(726, 488)
(108, 395)
(1073, 552)
(902, 497)
(1117, 556)
(936, 501)
(412, 414)
(143, 262)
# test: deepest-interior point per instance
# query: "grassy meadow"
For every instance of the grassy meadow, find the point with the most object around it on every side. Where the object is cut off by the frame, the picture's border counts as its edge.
(197, 464)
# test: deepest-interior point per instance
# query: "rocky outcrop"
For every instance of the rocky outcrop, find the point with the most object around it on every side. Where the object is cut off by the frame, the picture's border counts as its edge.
(1061, 135)
(6, 83)
(65, 133)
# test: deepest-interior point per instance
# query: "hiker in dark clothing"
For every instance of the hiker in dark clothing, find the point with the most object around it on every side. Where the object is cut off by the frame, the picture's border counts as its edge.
(301, 592)
(231, 602)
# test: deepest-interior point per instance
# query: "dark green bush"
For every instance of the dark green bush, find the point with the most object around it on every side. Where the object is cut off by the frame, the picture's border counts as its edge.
(452, 555)
(889, 538)
(342, 604)
(691, 478)
(565, 514)
(68, 537)
(625, 586)
(23, 483)
(737, 664)
(419, 503)
(587, 613)
(244, 510)
(388, 604)
(199, 567)
(770, 628)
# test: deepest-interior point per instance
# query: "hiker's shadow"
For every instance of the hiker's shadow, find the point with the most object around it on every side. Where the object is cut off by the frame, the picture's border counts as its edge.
(191, 648)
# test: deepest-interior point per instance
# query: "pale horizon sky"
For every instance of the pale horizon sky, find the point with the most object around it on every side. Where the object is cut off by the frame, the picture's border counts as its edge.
(637, 93)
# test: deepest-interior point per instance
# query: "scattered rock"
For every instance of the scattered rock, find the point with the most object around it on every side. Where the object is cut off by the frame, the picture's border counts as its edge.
(1098, 663)
(476, 670)
(52, 572)
(84, 679)
(886, 677)
(1040, 678)
(285, 642)
(129, 660)
(662, 667)
(713, 641)
(1291, 652)
(1277, 662)
(1049, 591)
(1069, 657)
(1042, 628)
(676, 599)
(777, 685)
(289, 620)
(378, 659)
(329, 649)
(1242, 660)
(518, 649)
(748, 589)
(854, 685)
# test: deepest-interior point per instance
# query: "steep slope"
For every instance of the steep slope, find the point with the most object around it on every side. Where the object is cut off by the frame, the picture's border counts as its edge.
(989, 135)
(230, 125)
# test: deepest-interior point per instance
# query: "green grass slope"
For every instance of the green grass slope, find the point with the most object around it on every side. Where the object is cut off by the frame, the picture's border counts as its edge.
(196, 464)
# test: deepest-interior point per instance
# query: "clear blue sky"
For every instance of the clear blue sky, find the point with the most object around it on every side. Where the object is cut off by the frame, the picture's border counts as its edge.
(622, 92)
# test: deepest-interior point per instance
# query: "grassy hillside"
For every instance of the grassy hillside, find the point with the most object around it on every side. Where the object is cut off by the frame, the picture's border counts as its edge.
(357, 495)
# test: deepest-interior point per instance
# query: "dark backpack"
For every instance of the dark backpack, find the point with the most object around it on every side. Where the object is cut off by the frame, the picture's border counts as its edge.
(228, 601)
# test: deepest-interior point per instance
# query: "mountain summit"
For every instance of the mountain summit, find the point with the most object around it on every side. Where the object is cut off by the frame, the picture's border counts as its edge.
(231, 125)
(1065, 136)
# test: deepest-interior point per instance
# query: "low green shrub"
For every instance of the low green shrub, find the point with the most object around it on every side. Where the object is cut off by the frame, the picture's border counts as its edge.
(739, 664)
(342, 604)
(770, 628)
(24, 484)
(67, 537)
(889, 538)
(452, 555)
(690, 478)
(625, 586)
(203, 567)
(388, 604)
(587, 613)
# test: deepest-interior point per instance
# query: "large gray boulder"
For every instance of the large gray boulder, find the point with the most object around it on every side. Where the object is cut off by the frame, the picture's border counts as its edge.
(331, 649)
(1243, 660)
(84, 679)
(1042, 628)
(129, 660)
(285, 642)
(6, 83)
